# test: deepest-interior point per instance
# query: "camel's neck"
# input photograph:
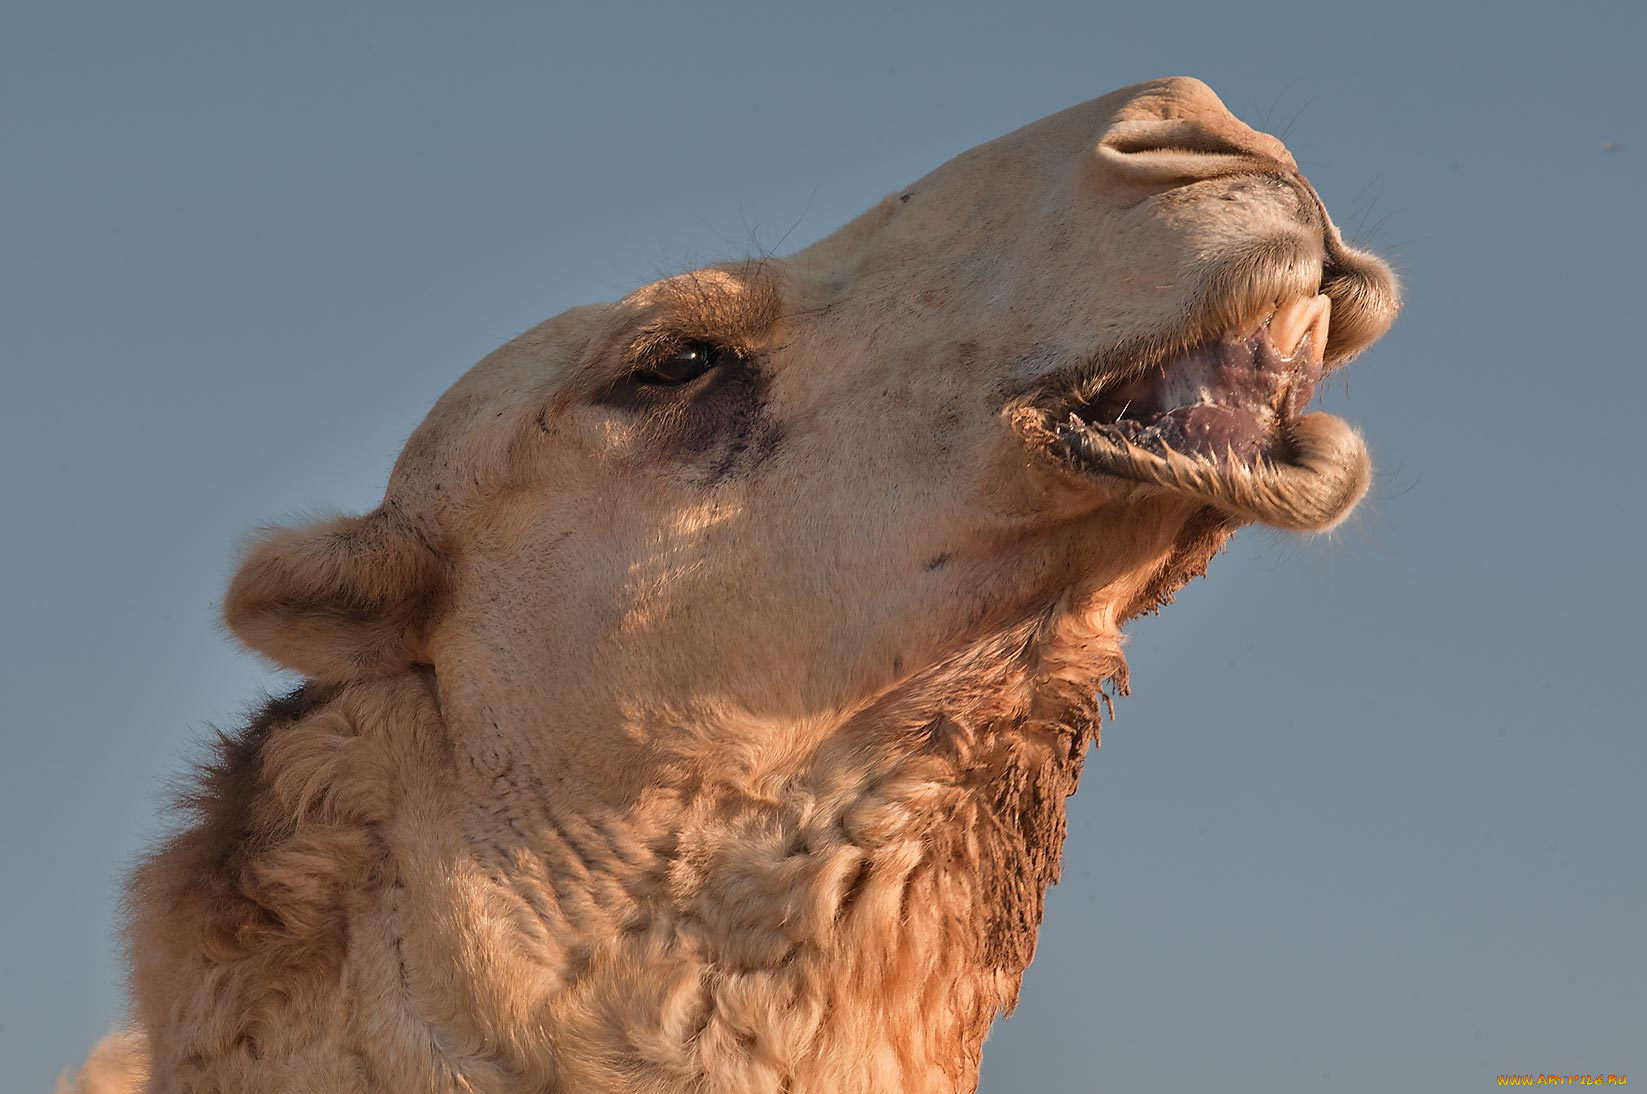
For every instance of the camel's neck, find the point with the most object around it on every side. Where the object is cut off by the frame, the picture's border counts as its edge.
(849, 931)
(851, 920)
(361, 883)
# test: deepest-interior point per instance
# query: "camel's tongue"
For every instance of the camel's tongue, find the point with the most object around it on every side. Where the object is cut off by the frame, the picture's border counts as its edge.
(1221, 397)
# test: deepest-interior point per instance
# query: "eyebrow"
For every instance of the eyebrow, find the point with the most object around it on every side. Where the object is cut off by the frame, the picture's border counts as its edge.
(734, 305)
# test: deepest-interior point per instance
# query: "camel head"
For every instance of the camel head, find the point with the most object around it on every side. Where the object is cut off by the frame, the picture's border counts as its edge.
(767, 492)
(768, 528)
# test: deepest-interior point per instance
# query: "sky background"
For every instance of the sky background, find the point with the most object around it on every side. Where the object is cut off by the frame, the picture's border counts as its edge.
(1374, 816)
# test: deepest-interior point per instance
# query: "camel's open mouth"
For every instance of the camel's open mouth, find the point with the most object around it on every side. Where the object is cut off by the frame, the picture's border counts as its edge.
(1223, 424)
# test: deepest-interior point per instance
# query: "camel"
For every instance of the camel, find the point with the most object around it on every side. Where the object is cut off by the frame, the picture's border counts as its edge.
(697, 710)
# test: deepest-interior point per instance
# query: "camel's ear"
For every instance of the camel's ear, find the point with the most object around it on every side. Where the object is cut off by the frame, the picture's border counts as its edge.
(348, 597)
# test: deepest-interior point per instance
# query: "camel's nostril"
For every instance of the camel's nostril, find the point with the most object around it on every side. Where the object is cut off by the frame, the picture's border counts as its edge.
(1173, 137)
(1176, 131)
(1176, 152)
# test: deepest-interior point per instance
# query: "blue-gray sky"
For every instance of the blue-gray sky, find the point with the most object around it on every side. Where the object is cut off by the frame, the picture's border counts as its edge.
(1374, 817)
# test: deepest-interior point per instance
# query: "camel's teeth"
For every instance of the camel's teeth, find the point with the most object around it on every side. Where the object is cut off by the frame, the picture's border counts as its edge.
(1297, 318)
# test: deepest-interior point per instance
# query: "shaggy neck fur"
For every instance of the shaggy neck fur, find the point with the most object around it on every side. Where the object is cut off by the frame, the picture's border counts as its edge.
(856, 927)
(367, 900)
(365, 903)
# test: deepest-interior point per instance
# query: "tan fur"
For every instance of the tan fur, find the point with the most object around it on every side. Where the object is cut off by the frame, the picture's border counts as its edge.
(717, 738)
(118, 1063)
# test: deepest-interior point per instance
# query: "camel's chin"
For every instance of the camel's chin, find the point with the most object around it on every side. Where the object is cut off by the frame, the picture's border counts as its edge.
(1221, 424)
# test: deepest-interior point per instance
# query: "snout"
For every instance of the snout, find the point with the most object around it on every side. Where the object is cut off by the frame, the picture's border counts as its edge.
(1241, 293)
(1252, 227)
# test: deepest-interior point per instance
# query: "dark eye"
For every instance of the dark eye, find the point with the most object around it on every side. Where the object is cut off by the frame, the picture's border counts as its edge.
(685, 364)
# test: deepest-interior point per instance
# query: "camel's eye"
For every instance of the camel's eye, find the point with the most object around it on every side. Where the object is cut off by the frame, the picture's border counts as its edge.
(684, 364)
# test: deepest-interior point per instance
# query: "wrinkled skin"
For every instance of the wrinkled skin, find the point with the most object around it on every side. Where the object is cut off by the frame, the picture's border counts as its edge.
(697, 711)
